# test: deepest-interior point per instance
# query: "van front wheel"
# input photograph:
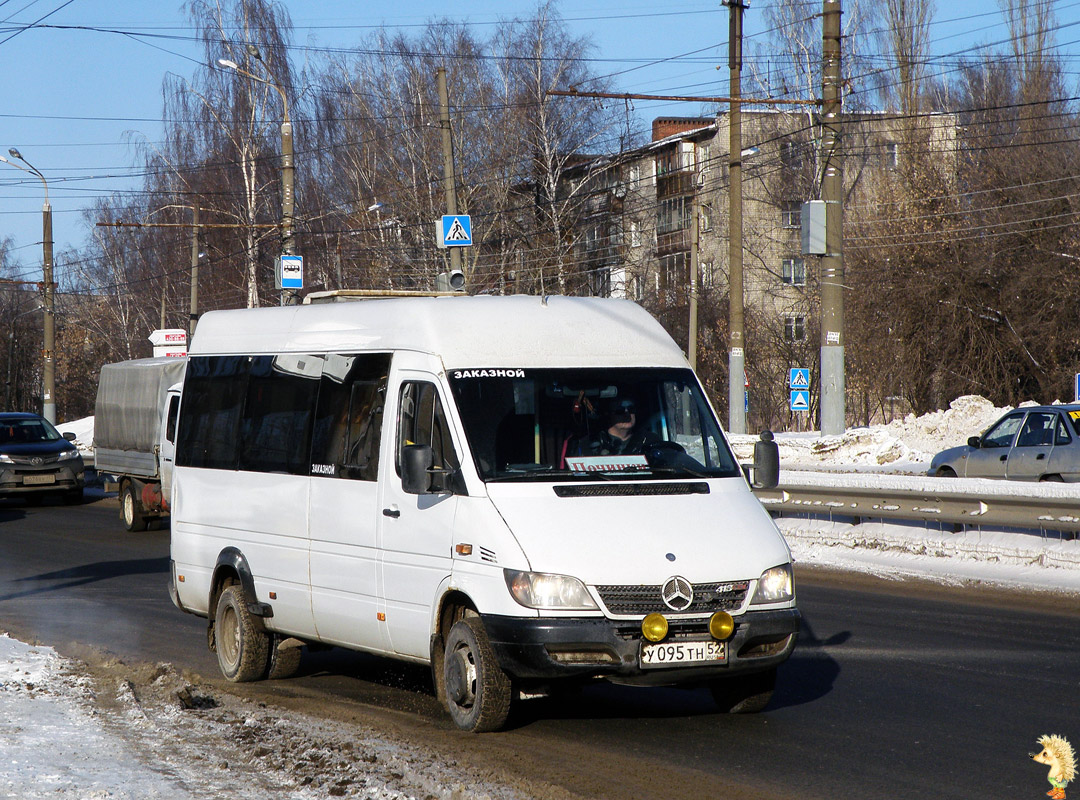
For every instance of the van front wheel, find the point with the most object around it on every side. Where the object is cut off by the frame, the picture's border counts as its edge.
(744, 694)
(242, 646)
(477, 690)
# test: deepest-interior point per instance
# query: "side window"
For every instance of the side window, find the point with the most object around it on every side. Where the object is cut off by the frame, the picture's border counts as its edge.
(348, 422)
(421, 420)
(170, 420)
(1038, 430)
(214, 389)
(275, 426)
(1061, 432)
(1002, 434)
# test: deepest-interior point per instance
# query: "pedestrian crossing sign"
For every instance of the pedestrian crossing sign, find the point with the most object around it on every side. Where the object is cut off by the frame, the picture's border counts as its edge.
(800, 400)
(456, 230)
(799, 378)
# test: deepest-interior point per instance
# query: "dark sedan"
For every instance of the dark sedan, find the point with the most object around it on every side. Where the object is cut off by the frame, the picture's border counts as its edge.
(36, 460)
(1034, 443)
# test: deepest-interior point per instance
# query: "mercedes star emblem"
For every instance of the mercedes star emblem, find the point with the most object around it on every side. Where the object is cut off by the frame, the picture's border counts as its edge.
(677, 592)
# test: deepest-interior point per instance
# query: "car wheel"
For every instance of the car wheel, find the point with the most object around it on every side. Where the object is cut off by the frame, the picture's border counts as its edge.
(131, 510)
(744, 694)
(241, 643)
(1051, 479)
(285, 656)
(478, 692)
(945, 472)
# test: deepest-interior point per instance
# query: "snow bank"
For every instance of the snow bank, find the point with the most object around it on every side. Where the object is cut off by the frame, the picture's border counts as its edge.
(904, 445)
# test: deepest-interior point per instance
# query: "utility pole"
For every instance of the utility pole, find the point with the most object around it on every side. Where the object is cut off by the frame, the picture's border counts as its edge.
(193, 306)
(695, 256)
(449, 183)
(736, 353)
(833, 412)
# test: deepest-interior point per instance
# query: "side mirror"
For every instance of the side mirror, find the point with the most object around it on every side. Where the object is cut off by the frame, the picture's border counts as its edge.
(766, 462)
(69, 435)
(975, 441)
(416, 463)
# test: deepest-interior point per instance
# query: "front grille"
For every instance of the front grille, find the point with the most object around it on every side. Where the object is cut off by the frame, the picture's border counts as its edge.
(29, 461)
(708, 598)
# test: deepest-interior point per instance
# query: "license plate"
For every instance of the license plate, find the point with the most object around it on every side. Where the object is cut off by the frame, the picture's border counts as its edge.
(667, 654)
(37, 480)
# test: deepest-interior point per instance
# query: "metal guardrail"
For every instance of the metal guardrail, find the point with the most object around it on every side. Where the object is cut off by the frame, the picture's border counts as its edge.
(960, 508)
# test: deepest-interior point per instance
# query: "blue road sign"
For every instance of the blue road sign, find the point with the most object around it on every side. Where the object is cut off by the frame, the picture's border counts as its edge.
(800, 400)
(1076, 389)
(456, 230)
(799, 378)
(291, 272)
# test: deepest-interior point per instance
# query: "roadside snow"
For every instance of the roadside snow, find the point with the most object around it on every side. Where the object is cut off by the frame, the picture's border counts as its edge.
(65, 734)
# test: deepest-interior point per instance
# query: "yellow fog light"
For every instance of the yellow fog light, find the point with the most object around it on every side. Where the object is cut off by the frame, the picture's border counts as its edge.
(721, 625)
(654, 627)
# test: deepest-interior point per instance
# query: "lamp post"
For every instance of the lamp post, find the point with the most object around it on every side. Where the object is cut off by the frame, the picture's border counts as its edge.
(288, 205)
(48, 381)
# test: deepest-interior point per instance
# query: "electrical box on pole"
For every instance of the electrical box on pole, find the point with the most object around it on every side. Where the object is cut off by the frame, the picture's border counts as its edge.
(813, 228)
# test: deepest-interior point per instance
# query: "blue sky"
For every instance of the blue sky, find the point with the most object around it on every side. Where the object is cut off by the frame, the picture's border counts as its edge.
(74, 100)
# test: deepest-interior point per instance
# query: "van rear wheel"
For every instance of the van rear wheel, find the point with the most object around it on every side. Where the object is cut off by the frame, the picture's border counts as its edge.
(243, 647)
(131, 509)
(744, 694)
(478, 692)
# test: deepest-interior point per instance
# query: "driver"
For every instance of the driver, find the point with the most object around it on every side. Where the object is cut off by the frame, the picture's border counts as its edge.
(620, 437)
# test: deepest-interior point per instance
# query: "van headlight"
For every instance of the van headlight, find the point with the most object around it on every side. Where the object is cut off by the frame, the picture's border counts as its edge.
(775, 585)
(542, 591)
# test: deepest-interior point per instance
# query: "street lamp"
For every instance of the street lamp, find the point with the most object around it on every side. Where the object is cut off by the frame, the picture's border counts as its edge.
(48, 387)
(288, 246)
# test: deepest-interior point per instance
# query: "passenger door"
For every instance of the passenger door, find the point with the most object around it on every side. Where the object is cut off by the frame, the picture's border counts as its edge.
(1030, 455)
(167, 446)
(990, 459)
(416, 530)
(345, 456)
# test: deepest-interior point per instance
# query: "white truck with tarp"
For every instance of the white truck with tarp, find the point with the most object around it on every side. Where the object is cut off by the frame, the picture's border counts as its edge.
(134, 429)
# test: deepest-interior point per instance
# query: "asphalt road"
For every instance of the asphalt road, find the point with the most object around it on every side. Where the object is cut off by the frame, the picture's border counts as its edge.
(897, 689)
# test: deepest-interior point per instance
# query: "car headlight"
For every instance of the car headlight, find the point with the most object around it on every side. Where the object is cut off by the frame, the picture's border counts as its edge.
(542, 591)
(6, 459)
(775, 585)
(67, 455)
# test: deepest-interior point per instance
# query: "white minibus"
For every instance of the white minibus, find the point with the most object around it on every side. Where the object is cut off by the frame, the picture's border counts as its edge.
(521, 492)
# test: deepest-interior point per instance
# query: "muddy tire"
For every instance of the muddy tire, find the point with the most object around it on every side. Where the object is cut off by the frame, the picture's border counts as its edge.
(744, 694)
(285, 654)
(131, 512)
(478, 692)
(243, 647)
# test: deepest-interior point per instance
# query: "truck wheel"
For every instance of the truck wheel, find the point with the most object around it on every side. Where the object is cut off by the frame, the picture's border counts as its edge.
(242, 645)
(131, 510)
(477, 690)
(284, 658)
(744, 694)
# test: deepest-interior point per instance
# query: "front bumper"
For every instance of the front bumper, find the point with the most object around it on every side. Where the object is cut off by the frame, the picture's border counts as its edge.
(23, 479)
(549, 648)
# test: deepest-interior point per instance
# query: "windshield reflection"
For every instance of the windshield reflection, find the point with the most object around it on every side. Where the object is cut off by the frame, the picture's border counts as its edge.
(569, 424)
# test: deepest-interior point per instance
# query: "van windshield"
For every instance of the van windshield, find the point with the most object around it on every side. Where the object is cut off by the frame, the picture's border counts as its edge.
(566, 424)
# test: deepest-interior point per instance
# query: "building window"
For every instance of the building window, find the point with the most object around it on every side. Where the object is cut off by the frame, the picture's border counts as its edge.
(635, 234)
(791, 154)
(675, 271)
(707, 217)
(673, 214)
(891, 155)
(791, 214)
(794, 271)
(704, 163)
(794, 328)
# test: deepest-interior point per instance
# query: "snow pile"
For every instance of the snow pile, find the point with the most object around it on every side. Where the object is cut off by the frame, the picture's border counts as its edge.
(905, 445)
(68, 735)
(84, 433)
